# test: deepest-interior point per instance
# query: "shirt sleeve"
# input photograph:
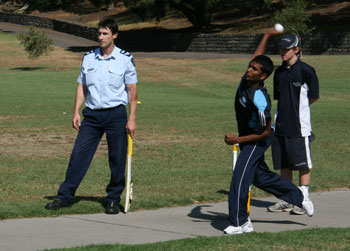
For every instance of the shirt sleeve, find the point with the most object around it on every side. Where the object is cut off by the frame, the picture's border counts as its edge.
(130, 74)
(81, 78)
(263, 106)
(312, 82)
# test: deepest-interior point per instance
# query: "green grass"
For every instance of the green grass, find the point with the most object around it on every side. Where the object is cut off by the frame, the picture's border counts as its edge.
(310, 239)
(179, 153)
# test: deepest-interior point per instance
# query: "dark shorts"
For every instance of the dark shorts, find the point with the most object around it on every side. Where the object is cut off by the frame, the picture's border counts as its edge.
(293, 153)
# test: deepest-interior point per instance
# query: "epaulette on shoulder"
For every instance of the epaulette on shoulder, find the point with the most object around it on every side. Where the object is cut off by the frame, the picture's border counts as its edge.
(125, 53)
(89, 52)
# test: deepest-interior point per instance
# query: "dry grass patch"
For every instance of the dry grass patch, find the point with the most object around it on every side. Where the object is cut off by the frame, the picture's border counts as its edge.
(12, 118)
(57, 58)
(42, 146)
(165, 139)
(185, 72)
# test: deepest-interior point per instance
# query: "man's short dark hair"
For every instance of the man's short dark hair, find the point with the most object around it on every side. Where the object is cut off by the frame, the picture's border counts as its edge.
(110, 24)
(265, 62)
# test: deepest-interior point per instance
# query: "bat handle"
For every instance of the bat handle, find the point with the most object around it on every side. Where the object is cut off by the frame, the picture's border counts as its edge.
(129, 145)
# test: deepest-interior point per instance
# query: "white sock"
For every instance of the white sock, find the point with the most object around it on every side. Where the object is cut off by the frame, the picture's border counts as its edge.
(306, 189)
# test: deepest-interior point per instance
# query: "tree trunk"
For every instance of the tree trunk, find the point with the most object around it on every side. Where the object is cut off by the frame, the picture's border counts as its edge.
(195, 13)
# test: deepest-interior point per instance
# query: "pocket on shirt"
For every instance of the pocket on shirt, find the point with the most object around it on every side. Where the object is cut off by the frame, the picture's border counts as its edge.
(116, 77)
(90, 76)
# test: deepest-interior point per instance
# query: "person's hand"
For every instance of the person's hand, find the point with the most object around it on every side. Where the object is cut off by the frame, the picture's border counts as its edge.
(272, 31)
(76, 121)
(131, 127)
(231, 139)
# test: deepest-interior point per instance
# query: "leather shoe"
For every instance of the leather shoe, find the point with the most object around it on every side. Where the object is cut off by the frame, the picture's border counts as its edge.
(57, 204)
(112, 208)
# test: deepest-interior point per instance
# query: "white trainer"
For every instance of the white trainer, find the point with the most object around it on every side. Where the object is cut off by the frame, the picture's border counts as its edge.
(280, 206)
(233, 230)
(307, 203)
(245, 228)
(298, 210)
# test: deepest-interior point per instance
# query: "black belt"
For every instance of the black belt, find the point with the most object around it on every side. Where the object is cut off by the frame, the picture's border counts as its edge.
(105, 109)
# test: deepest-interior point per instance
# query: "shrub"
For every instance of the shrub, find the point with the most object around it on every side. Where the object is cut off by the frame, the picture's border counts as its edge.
(36, 43)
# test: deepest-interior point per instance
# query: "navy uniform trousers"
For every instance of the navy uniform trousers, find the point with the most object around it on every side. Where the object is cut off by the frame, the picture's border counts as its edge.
(251, 169)
(111, 121)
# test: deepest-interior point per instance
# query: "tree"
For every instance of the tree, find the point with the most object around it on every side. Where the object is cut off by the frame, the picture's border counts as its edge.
(110, 3)
(198, 12)
(47, 5)
(36, 43)
(294, 18)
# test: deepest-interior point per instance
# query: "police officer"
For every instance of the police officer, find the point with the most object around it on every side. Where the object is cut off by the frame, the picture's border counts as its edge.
(107, 83)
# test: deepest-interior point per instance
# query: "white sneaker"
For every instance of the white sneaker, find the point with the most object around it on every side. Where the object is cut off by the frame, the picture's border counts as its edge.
(233, 230)
(307, 203)
(245, 228)
(298, 210)
(280, 206)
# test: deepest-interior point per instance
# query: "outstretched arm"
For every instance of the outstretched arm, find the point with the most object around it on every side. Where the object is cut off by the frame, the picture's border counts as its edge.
(262, 45)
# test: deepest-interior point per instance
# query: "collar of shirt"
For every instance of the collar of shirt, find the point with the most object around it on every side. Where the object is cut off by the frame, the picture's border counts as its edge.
(112, 56)
(284, 64)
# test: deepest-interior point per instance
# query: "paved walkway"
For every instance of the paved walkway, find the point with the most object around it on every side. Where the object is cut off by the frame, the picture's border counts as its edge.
(209, 219)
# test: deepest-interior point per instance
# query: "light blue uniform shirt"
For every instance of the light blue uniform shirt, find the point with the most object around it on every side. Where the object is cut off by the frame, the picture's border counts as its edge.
(106, 78)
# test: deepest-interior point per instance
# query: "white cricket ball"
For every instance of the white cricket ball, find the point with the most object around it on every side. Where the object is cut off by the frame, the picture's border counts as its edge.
(279, 27)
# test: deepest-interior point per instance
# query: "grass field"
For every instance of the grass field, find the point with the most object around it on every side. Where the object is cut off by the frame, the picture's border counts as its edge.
(310, 239)
(179, 156)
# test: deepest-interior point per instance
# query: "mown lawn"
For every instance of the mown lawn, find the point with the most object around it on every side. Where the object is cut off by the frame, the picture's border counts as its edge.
(179, 153)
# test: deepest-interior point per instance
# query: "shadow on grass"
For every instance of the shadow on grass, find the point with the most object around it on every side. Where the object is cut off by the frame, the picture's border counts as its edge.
(6, 31)
(28, 68)
(100, 200)
(222, 191)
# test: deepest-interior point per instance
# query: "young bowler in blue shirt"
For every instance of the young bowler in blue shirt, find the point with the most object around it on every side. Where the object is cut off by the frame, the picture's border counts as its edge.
(252, 106)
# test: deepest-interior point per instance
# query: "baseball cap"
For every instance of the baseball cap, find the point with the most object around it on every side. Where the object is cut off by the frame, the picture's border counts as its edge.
(289, 41)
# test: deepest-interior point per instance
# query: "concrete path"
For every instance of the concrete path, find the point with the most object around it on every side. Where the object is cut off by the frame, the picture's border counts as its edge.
(209, 219)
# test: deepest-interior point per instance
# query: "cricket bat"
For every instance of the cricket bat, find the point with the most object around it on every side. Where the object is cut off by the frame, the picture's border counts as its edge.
(129, 179)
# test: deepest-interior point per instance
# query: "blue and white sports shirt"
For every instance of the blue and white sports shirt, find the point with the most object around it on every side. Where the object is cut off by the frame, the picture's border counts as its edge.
(253, 108)
(293, 87)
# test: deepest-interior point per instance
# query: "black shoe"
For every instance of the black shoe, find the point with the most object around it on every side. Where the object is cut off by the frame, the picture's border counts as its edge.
(112, 208)
(57, 204)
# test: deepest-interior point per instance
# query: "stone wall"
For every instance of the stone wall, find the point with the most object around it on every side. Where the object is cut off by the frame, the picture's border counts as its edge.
(318, 43)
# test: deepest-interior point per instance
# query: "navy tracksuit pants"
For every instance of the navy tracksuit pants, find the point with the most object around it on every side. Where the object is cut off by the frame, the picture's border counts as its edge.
(111, 121)
(251, 169)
